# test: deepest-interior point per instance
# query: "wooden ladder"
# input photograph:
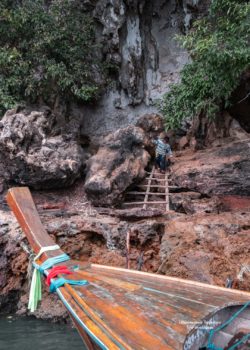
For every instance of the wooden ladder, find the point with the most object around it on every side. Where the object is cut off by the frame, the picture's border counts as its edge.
(146, 203)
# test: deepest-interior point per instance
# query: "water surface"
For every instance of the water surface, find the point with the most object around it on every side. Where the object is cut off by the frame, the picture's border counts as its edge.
(28, 333)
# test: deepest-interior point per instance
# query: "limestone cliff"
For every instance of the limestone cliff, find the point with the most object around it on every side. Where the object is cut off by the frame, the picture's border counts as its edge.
(138, 37)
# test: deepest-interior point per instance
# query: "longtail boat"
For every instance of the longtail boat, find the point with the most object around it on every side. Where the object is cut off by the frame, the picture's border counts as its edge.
(127, 309)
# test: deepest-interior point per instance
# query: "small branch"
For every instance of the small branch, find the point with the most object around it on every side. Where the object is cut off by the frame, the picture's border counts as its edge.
(128, 250)
(140, 261)
(243, 98)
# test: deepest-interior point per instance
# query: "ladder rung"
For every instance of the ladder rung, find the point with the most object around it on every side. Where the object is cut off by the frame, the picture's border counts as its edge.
(157, 172)
(154, 178)
(156, 186)
(143, 193)
(151, 186)
(135, 203)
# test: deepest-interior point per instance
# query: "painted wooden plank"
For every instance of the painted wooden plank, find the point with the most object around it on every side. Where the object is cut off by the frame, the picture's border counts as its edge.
(88, 343)
(105, 335)
(173, 290)
(148, 334)
(21, 203)
(166, 279)
(162, 303)
(174, 297)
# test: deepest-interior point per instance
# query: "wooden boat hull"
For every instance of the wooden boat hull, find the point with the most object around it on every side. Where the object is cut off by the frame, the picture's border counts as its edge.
(127, 309)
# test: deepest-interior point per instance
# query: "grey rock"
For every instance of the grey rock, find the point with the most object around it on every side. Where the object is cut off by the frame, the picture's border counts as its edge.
(152, 124)
(32, 154)
(119, 162)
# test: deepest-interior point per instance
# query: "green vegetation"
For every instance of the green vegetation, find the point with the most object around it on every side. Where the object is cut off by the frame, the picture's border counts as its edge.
(220, 52)
(46, 51)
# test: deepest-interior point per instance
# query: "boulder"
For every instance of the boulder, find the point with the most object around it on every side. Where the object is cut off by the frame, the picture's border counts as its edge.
(221, 170)
(202, 205)
(152, 124)
(32, 154)
(183, 142)
(177, 200)
(119, 162)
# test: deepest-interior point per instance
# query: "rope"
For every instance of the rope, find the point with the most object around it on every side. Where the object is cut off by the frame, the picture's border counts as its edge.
(35, 294)
(210, 344)
(61, 281)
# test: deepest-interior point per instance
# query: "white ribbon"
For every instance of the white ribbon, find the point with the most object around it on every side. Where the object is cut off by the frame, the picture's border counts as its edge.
(46, 249)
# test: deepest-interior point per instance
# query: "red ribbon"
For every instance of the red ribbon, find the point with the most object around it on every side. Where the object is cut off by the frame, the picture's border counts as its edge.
(55, 271)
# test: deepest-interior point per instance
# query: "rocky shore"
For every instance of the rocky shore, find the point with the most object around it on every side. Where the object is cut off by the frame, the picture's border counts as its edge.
(204, 237)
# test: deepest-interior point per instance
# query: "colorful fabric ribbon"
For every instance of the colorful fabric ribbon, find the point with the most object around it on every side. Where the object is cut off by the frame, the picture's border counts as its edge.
(59, 282)
(55, 271)
(35, 294)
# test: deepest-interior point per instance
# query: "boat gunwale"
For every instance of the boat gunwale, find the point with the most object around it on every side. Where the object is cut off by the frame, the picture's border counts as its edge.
(173, 279)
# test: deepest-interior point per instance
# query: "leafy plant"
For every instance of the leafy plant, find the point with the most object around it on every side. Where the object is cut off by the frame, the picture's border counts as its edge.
(220, 53)
(47, 49)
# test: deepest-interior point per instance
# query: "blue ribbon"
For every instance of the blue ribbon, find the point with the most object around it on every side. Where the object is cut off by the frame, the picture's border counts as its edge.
(59, 282)
(51, 262)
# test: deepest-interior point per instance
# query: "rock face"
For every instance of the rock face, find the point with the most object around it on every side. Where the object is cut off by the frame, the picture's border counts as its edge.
(30, 154)
(206, 247)
(13, 262)
(139, 38)
(119, 162)
(192, 203)
(205, 132)
(217, 171)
